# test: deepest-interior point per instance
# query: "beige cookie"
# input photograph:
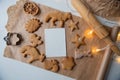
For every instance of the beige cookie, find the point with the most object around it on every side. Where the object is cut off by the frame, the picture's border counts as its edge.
(78, 41)
(73, 26)
(58, 16)
(51, 65)
(31, 8)
(68, 63)
(81, 54)
(32, 25)
(33, 53)
(35, 40)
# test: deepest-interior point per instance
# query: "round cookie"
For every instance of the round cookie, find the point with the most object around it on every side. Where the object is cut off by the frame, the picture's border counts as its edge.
(31, 8)
(32, 25)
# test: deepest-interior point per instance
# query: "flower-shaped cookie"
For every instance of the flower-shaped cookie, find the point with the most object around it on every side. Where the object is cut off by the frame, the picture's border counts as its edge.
(68, 63)
(31, 8)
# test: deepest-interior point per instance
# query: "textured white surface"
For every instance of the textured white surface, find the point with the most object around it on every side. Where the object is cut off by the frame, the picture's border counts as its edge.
(55, 42)
(14, 70)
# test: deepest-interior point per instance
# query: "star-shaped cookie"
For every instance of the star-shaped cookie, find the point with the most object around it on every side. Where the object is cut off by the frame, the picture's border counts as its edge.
(73, 26)
(78, 41)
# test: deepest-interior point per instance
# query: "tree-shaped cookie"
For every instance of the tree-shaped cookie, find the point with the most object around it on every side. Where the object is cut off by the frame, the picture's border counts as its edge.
(35, 40)
(33, 53)
(32, 25)
(51, 65)
(68, 63)
(78, 41)
(58, 16)
(31, 8)
(73, 26)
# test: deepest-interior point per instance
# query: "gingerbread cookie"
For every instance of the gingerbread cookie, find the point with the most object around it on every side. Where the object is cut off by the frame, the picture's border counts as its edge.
(78, 41)
(35, 40)
(58, 16)
(13, 39)
(81, 54)
(33, 53)
(73, 26)
(68, 63)
(31, 8)
(32, 25)
(51, 65)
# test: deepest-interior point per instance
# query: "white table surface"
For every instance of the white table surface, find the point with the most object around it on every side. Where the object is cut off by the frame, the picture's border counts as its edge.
(15, 70)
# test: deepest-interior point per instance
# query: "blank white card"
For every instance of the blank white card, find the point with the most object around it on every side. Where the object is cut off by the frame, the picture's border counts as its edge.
(55, 42)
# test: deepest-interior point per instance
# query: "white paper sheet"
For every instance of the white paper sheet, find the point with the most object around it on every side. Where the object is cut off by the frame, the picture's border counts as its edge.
(55, 42)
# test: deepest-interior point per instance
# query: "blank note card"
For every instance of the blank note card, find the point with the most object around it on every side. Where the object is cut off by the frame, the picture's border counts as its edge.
(55, 42)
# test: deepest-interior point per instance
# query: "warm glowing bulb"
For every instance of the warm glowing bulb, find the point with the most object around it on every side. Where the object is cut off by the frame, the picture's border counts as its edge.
(95, 50)
(118, 37)
(88, 33)
(117, 59)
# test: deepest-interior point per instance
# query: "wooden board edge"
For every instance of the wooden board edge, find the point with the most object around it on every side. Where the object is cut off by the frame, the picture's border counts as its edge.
(107, 56)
